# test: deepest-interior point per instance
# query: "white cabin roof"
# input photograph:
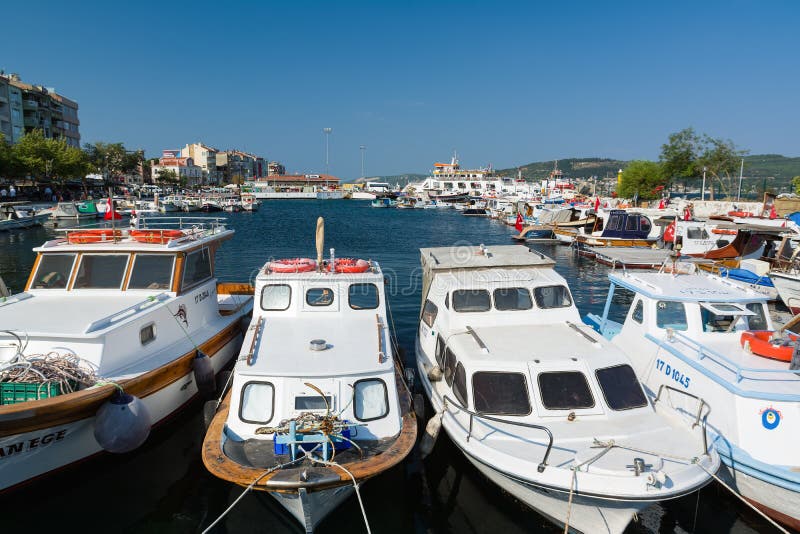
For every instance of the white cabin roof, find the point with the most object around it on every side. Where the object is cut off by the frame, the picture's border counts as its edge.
(489, 257)
(685, 287)
(283, 348)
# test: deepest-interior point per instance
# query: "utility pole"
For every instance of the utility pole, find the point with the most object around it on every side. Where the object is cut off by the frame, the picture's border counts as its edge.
(741, 171)
(363, 149)
(327, 132)
(703, 190)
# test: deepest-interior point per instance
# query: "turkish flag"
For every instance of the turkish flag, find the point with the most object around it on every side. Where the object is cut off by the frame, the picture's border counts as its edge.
(518, 226)
(110, 213)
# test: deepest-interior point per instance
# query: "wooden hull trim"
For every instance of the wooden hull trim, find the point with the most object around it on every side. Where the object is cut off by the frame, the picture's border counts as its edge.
(224, 468)
(63, 409)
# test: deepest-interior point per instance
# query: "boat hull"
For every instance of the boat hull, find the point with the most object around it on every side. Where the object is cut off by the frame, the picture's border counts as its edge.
(310, 509)
(778, 503)
(788, 287)
(41, 449)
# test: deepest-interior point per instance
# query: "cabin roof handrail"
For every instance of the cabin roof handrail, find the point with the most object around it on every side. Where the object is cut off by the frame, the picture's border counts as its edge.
(472, 415)
(130, 311)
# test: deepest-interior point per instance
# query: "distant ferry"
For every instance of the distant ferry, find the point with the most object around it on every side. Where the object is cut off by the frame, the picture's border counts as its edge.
(308, 186)
(449, 182)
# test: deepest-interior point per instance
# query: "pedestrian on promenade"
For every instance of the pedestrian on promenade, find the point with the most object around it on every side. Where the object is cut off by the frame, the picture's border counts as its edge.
(3, 193)
(12, 192)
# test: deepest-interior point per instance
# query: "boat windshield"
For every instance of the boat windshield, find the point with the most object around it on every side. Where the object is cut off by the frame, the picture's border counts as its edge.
(552, 297)
(471, 300)
(101, 271)
(500, 393)
(565, 390)
(620, 387)
(152, 271)
(53, 271)
(512, 298)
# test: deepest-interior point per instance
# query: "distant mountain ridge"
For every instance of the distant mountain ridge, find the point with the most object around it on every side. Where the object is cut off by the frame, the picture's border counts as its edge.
(778, 169)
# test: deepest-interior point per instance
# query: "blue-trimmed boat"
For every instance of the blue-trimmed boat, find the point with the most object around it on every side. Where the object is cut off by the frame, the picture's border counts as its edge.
(685, 335)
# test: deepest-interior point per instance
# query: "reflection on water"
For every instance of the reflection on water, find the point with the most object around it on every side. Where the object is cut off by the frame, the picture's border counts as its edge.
(163, 487)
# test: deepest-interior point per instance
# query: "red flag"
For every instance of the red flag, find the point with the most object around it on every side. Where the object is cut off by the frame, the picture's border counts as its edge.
(597, 204)
(110, 213)
(661, 204)
(773, 213)
(518, 226)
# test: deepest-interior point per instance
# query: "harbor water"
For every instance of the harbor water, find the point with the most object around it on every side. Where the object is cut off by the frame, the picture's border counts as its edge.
(163, 486)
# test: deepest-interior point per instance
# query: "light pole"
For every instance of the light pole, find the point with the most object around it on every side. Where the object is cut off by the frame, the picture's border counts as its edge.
(327, 132)
(703, 190)
(363, 149)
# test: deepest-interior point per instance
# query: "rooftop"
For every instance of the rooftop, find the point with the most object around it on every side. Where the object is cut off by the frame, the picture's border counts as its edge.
(685, 287)
(482, 257)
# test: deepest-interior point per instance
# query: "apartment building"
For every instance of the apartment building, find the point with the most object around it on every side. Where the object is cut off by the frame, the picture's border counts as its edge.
(204, 157)
(25, 107)
(275, 168)
(184, 168)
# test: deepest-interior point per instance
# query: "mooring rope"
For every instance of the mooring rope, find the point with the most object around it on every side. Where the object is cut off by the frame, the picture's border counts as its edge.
(355, 484)
(569, 502)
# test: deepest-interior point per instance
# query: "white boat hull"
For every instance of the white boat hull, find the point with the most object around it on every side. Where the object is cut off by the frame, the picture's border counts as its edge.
(32, 454)
(788, 287)
(587, 515)
(770, 498)
(311, 508)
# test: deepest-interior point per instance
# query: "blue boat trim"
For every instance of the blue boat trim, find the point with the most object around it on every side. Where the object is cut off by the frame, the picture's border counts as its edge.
(738, 460)
(621, 281)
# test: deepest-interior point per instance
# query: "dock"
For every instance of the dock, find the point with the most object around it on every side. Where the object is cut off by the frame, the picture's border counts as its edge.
(629, 257)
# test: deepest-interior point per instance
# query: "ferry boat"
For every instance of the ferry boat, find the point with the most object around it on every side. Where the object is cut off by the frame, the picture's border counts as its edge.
(317, 402)
(707, 346)
(309, 190)
(539, 403)
(138, 314)
(450, 183)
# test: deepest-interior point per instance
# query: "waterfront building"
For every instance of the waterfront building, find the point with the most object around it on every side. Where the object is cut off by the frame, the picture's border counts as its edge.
(235, 166)
(32, 107)
(205, 157)
(275, 168)
(184, 168)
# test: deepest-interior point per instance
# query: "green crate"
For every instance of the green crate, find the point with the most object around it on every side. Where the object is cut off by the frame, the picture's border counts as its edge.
(14, 392)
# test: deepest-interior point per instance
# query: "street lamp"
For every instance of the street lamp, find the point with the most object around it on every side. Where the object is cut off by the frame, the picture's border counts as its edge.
(363, 149)
(703, 190)
(327, 132)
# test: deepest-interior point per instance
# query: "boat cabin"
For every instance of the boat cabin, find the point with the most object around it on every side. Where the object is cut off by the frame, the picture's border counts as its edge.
(318, 343)
(626, 225)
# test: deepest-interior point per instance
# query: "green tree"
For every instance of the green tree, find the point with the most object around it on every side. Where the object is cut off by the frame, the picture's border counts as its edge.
(36, 154)
(6, 157)
(111, 159)
(796, 184)
(166, 177)
(680, 153)
(643, 179)
(721, 159)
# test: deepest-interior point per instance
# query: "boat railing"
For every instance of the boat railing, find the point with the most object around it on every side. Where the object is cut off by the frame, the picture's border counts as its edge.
(703, 352)
(699, 420)
(472, 415)
(130, 311)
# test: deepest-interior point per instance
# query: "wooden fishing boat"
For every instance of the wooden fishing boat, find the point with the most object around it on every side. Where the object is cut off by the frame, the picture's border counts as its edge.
(144, 326)
(317, 401)
(622, 229)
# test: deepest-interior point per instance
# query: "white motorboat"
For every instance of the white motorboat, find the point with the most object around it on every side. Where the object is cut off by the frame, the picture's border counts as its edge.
(701, 343)
(15, 215)
(71, 210)
(136, 315)
(540, 403)
(249, 202)
(317, 401)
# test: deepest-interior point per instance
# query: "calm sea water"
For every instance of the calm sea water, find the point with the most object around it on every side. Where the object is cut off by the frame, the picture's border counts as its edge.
(163, 486)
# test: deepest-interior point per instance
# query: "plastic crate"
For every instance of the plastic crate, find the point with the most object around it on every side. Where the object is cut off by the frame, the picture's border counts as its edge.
(14, 392)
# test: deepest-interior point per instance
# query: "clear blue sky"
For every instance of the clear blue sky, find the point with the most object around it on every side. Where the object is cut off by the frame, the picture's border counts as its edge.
(505, 83)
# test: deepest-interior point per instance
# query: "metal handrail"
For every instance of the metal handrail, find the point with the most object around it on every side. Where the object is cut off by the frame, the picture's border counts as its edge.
(703, 352)
(128, 312)
(699, 410)
(542, 465)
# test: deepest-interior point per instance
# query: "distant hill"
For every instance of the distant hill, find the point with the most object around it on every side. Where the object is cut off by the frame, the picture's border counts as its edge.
(778, 170)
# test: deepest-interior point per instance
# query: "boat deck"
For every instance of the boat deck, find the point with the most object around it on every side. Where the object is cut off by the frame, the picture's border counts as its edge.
(629, 257)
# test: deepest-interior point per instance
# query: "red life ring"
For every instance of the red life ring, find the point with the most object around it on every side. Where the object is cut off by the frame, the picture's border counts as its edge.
(97, 235)
(160, 237)
(740, 214)
(292, 265)
(351, 265)
(760, 343)
(724, 231)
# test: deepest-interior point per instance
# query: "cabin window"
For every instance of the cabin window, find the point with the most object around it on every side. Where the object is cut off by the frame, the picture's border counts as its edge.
(613, 221)
(53, 271)
(621, 389)
(429, 312)
(638, 312)
(440, 351)
(257, 402)
(671, 315)
(151, 271)
(696, 233)
(370, 399)
(319, 296)
(512, 298)
(713, 322)
(460, 385)
(276, 297)
(552, 297)
(147, 333)
(449, 366)
(363, 296)
(500, 393)
(565, 390)
(197, 267)
(631, 223)
(101, 271)
(471, 300)
(759, 320)
(644, 224)
(313, 402)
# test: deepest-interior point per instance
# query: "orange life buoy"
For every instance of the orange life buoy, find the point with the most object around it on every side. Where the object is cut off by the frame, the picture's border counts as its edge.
(740, 214)
(160, 237)
(351, 265)
(760, 343)
(724, 231)
(292, 265)
(95, 235)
